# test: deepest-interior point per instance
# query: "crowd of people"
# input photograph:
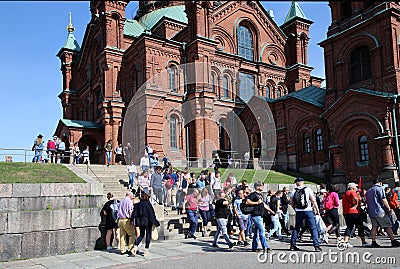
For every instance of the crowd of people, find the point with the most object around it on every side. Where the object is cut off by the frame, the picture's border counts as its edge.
(262, 215)
(131, 218)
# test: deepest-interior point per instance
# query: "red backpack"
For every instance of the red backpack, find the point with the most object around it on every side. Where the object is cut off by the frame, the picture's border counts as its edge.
(393, 200)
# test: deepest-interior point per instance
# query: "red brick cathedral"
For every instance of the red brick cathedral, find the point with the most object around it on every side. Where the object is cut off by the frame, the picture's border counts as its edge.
(343, 132)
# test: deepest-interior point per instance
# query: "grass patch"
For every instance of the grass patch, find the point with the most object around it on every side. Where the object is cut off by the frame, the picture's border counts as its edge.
(36, 173)
(266, 176)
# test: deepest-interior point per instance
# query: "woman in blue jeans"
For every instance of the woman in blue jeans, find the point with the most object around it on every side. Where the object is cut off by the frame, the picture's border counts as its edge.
(204, 210)
(256, 199)
(221, 214)
(192, 201)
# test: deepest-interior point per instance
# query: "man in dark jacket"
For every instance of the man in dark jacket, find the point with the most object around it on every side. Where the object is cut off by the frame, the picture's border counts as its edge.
(144, 217)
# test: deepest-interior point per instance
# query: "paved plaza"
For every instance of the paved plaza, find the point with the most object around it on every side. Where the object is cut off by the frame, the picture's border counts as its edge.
(190, 253)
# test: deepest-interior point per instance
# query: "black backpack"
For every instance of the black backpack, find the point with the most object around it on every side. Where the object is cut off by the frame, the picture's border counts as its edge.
(114, 210)
(300, 198)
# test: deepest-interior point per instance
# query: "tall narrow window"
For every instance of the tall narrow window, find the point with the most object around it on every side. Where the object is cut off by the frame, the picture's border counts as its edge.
(245, 43)
(360, 64)
(267, 91)
(307, 144)
(213, 82)
(246, 86)
(171, 78)
(318, 138)
(172, 131)
(363, 147)
(225, 86)
(278, 93)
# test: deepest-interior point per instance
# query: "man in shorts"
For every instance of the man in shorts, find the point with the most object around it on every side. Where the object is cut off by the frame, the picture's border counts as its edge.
(379, 211)
(241, 218)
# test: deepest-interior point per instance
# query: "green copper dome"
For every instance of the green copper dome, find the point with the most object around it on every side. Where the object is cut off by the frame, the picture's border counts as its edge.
(137, 27)
(174, 12)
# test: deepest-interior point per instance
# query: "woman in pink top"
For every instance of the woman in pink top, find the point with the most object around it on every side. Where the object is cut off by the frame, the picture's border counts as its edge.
(331, 204)
(204, 210)
(144, 181)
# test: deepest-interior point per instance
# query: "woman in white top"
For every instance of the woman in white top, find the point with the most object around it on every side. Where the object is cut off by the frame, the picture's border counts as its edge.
(118, 154)
(144, 162)
(216, 185)
(131, 170)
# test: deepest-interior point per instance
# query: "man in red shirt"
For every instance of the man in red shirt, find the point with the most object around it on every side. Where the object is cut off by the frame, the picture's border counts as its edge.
(351, 201)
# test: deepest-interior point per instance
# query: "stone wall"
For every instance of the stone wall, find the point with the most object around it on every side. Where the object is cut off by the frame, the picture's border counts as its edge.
(48, 219)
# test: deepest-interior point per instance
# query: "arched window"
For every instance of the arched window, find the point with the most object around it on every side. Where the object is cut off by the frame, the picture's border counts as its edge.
(303, 46)
(213, 82)
(363, 147)
(267, 91)
(245, 43)
(171, 78)
(278, 93)
(225, 86)
(246, 86)
(360, 64)
(318, 139)
(172, 131)
(307, 144)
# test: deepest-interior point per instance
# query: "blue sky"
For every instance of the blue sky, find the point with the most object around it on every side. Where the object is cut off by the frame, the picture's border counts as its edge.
(30, 77)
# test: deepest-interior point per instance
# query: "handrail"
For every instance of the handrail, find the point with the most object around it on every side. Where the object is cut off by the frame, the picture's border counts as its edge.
(87, 171)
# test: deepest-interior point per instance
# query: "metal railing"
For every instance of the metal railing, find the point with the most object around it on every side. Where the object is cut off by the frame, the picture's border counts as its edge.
(26, 155)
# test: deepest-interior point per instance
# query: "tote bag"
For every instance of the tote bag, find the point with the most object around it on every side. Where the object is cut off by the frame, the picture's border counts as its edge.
(154, 233)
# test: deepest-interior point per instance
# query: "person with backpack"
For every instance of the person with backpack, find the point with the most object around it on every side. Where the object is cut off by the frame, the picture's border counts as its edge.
(275, 205)
(303, 201)
(110, 210)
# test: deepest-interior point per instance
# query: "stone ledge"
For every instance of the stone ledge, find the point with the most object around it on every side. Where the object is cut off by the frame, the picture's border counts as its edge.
(25, 190)
(61, 189)
(50, 203)
(51, 220)
(5, 190)
(49, 189)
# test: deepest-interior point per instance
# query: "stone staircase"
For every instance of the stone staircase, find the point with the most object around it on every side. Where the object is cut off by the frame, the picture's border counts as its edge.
(115, 180)
(176, 225)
